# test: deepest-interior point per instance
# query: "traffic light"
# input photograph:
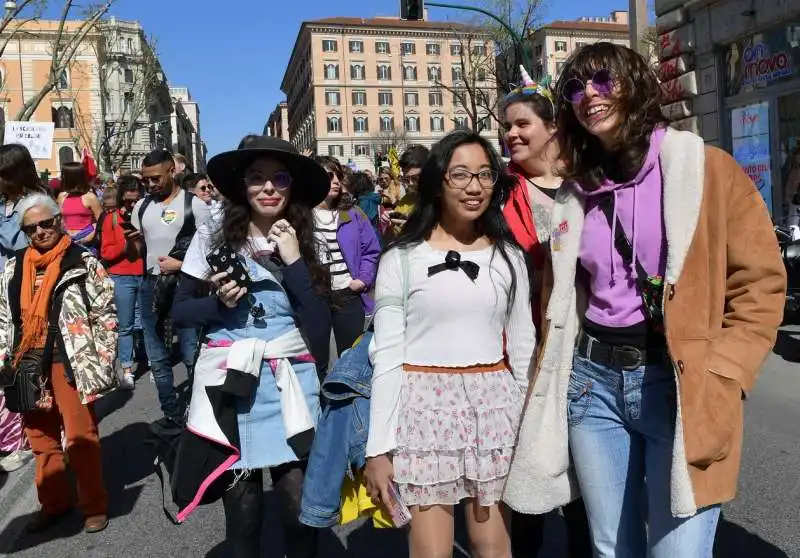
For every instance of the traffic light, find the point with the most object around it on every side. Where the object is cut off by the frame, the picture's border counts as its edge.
(411, 9)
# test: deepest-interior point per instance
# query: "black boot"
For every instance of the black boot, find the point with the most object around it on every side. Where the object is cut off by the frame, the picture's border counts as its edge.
(243, 506)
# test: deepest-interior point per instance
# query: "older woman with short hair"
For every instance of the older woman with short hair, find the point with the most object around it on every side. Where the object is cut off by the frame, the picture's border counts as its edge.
(58, 325)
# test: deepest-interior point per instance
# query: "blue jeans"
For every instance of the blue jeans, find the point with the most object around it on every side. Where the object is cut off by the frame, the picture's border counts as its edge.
(160, 362)
(621, 428)
(187, 340)
(127, 289)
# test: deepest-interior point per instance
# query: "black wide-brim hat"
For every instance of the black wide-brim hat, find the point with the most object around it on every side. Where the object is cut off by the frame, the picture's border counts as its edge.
(310, 182)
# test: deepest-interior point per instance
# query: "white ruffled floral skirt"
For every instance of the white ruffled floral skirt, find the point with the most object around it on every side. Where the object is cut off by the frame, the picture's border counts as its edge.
(456, 435)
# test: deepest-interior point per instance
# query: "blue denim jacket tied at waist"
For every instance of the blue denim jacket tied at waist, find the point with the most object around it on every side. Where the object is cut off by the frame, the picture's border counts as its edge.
(341, 439)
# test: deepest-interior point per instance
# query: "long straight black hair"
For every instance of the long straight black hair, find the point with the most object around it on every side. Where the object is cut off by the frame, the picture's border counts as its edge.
(428, 210)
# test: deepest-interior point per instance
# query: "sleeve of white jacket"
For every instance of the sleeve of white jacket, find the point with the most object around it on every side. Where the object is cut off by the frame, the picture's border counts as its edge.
(387, 355)
(520, 331)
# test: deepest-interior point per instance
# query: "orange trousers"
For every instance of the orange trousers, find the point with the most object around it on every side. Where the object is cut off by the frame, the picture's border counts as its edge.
(43, 429)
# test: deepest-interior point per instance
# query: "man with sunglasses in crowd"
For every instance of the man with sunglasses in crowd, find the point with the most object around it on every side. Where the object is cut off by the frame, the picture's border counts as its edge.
(164, 222)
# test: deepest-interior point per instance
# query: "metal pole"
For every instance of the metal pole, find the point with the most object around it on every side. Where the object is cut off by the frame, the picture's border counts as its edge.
(518, 44)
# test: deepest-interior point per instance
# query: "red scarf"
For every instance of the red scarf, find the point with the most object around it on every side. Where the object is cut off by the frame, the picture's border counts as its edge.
(518, 212)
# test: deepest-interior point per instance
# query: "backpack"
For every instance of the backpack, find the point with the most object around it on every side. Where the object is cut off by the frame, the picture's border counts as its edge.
(162, 442)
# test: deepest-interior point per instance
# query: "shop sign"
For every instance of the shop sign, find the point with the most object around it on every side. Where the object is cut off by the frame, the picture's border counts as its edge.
(751, 145)
(762, 60)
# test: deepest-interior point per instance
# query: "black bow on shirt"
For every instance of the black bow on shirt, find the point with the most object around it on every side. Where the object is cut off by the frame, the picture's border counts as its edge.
(452, 260)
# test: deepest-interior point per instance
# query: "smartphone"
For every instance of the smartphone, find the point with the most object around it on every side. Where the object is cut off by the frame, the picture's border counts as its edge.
(127, 225)
(397, 215)
(401, 516)
(225, 259)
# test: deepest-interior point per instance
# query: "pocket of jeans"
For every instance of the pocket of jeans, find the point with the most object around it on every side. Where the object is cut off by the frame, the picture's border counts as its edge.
(579, 398)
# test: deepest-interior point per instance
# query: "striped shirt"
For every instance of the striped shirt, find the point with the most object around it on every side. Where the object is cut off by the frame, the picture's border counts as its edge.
(326, 222)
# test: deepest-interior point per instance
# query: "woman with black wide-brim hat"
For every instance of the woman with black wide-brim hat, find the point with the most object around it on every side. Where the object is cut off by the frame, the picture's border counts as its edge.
(255, 398)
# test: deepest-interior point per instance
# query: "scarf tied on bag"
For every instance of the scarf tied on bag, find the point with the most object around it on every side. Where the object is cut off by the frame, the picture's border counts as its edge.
(34, 303)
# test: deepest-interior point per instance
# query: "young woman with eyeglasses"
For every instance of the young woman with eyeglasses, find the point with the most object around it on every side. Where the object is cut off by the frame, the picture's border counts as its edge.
(673, 247)
(348, 246)
(266, 330)
(445, 400)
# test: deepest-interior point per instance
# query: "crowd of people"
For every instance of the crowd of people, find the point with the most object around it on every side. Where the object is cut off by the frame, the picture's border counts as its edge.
(571, 328)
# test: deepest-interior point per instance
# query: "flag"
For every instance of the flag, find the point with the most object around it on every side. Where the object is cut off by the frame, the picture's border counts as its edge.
(89, 165)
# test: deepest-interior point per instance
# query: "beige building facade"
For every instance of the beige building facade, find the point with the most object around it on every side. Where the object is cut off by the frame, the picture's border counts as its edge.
(554, 42)
(278, 122)
(355, 87)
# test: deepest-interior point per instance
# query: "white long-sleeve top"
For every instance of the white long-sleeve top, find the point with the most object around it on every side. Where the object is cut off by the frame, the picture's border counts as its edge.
(450, 321)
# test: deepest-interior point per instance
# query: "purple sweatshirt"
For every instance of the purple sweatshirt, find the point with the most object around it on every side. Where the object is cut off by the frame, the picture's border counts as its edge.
(615, 300)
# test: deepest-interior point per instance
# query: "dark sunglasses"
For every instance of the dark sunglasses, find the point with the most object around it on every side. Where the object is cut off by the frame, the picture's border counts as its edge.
(575, 89)
(333, 174)
(203, 188)
(47, 225)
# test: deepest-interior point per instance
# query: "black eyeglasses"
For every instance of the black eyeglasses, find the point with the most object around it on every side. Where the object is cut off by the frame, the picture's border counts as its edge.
(461, 178)
(46, 224)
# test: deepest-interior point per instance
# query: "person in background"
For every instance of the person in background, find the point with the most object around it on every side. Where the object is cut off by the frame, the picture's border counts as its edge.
(18, 178)
(369, 201)
(411, 162)
(668, 290)
(57, 302)
(217, 205)
(530, 136)
(108, 202)
(80, 208)
(180, 169)
(198, 184)
(165, 221)
(124, 262)
(349, 247)
(389, 187)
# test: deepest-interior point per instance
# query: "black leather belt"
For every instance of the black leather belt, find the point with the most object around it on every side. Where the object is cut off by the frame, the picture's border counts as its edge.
(625, 357)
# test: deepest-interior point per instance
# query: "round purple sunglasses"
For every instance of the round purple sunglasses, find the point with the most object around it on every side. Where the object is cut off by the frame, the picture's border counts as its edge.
(575, 89)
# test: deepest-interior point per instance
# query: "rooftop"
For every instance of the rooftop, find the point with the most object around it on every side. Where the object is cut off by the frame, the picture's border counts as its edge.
(387, 23)
(587, 26)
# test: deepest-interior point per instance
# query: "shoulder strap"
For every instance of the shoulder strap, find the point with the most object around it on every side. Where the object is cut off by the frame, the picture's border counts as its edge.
(188, 227)
(142, 208)
(621, 241)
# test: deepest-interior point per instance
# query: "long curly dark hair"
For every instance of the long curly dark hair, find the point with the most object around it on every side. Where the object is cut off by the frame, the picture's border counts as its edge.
(428, 209)
(636, 100)
(235, 230)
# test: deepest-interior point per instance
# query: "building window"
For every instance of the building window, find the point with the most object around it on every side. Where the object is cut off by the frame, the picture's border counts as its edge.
(359, 98)
(2, 118)
(580, 44)
(128, 75)
(479, 50)
(560, 66)
(458, 73)
(336, 150)
(130, 46)
(62, 117)
(480, 74)
(356, 46)
(434, 73)
(127, 102)
(357, 71)
(433, 49)
(65, 155)
(387, 124)
(63, 80)
(407, 49)
(485, 124)
(382, 47)
(412, 98)
(455, 50)
(561, 46)
(329, 45)
(539, 70)
(360, 125)
(331, 71)
(412, 124)
(334, 124)
(410, 73)
(537, 51)
(385, 98)
(384, 72)
(435, 98)
(332, 98)
(361, 150)
(437, 124)
(462, 122)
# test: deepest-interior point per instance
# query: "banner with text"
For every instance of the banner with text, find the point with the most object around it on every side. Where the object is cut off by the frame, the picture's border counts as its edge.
(36, 136)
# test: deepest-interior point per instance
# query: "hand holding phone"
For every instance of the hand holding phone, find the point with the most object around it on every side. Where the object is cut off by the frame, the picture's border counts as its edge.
(224, 259)
(401, 516)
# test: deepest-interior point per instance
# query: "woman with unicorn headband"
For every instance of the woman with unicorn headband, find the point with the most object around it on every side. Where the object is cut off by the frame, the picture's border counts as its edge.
(529, 121)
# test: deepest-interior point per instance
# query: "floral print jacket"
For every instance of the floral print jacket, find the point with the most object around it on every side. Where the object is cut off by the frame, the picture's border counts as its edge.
(83, 304)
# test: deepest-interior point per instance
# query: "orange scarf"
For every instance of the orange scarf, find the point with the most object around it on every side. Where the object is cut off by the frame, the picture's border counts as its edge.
(34, 306)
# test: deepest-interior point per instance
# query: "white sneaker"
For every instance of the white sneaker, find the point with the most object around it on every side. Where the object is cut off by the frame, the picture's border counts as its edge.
(128, 381)
(15, 460)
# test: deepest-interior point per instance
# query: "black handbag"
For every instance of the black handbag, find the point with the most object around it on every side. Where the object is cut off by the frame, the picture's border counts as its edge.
(25, 385)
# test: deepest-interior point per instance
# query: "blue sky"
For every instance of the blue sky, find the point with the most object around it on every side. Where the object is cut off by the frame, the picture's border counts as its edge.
(232, 55)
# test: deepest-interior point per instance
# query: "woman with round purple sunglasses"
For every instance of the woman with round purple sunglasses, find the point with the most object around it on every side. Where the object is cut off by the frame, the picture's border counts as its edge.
(668, 291)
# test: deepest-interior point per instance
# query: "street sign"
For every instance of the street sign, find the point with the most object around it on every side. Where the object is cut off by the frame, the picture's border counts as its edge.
(36, 136)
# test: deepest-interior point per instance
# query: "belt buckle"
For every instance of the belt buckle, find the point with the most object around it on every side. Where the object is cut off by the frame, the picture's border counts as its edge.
(627, 357)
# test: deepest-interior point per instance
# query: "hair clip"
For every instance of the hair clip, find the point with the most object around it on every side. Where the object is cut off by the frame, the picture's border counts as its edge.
(530, 87)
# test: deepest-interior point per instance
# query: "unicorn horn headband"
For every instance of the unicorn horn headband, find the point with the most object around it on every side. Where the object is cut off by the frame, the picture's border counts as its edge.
(530, 87)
